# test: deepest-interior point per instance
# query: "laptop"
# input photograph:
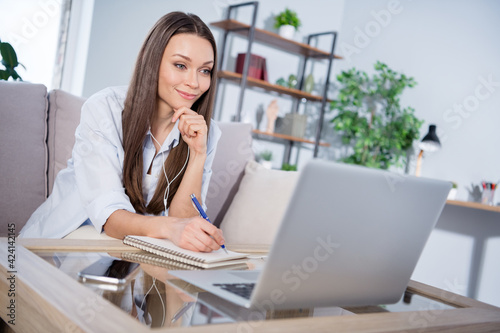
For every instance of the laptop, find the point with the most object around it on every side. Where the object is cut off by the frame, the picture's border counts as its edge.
(350, 236)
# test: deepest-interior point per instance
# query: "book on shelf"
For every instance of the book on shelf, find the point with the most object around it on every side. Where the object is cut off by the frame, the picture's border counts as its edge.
(167, 249)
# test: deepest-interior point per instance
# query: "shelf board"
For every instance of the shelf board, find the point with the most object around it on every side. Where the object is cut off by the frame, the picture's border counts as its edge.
(475, 205)
(273, 39)
(288, 137)
(236, 77)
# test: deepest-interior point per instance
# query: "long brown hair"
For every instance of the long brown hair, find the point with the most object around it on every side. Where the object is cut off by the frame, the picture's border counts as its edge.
(140, 105)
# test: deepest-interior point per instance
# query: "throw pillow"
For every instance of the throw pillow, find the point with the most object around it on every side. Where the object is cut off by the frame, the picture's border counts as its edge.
(64, 117)
(258, 206)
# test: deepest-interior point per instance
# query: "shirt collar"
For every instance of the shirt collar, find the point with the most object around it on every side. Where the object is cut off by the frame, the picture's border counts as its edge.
(171, 141)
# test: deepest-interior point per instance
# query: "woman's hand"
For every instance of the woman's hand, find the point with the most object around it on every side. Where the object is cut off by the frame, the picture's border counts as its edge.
(193, 129)
(192, 233)
(195, 234)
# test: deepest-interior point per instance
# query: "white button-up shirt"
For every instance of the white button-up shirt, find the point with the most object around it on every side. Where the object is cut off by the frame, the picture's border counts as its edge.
(90, 189)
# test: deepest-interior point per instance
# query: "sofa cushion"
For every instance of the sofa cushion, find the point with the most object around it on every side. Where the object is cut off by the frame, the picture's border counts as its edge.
(64, 117)
(234, 150)
(23, 162)
(258, 206)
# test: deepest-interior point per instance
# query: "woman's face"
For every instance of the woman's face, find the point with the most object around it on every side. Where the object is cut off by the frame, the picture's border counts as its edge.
(185, 71)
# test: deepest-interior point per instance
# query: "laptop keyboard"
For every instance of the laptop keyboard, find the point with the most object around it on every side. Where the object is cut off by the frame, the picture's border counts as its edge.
(241, 289)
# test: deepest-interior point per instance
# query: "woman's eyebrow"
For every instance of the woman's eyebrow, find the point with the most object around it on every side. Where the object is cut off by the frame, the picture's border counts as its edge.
(190, 60)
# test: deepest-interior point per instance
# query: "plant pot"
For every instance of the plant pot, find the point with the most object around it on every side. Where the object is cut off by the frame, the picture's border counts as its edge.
(453, 194)
(287, 31)
(267, 164)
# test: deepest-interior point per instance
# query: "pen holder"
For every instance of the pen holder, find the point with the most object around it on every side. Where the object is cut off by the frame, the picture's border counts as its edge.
(488, 193)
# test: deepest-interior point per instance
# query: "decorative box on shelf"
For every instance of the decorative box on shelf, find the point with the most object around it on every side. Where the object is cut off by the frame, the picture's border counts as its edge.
(256, 69)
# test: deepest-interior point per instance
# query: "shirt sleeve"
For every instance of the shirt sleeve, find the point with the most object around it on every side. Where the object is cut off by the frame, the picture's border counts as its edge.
(98, 158)
(213, 139)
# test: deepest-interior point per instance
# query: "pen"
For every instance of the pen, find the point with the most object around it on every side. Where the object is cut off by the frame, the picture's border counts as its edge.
(182, 311)
(203, 214)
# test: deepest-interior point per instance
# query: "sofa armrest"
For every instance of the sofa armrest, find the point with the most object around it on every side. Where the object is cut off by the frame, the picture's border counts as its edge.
(23, 161)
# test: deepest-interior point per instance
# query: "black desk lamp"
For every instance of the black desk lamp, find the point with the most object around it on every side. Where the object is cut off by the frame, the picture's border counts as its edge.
(429, 143)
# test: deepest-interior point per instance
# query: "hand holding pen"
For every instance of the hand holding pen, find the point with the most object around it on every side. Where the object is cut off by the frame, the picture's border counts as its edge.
(203, 214)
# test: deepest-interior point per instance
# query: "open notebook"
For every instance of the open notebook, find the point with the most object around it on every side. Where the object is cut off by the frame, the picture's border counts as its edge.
(167, 249)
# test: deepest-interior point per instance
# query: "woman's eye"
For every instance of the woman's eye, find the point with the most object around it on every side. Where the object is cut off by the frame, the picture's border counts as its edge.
(180, 66)
(206, 71)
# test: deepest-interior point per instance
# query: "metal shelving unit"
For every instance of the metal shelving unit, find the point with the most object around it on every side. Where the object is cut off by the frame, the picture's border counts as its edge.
(273, 40)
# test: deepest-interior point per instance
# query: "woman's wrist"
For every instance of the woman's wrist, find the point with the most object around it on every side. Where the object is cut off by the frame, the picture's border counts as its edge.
(197, 157)
(165, 227)
(198, 153)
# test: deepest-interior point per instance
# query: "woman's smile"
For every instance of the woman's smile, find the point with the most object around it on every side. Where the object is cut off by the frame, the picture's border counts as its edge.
(186, 95)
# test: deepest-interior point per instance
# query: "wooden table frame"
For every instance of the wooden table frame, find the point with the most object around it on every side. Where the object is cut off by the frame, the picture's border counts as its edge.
(48, 300)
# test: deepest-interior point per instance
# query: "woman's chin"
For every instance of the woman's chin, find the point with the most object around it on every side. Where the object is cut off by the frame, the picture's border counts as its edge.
(188, 105)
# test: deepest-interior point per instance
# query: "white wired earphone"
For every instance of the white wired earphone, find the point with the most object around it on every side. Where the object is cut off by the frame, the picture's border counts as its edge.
(167, 189)
(153, 285)
(165, 196)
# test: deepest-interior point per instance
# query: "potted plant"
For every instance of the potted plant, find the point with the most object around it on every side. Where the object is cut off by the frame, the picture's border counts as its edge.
(287, 22)
(377, 129)
(266, 158)
(290, 83)
(453, 192)
(9, 61)
(288, 167)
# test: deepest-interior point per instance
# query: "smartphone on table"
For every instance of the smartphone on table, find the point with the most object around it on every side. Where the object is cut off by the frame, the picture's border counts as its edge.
(109, 271)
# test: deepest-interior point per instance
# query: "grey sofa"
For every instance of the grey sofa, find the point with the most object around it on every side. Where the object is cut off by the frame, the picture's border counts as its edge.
(36, 138)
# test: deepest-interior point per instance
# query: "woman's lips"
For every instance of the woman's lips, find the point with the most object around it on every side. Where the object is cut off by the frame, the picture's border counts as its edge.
(185, 95)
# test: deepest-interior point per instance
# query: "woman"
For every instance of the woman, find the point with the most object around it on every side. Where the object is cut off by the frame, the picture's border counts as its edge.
(140, 152)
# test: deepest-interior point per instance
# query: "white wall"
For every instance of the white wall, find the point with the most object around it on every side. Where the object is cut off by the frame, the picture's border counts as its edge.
(452, 49)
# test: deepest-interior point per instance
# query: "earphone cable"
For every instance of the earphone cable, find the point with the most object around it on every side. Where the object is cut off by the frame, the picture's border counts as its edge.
(167, 189)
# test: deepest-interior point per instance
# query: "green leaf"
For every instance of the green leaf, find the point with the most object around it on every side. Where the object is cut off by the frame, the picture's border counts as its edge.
(4, 75)
(9, 57)
(15, 76)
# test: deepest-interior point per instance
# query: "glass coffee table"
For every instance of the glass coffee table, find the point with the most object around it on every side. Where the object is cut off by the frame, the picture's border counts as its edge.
(50, 291)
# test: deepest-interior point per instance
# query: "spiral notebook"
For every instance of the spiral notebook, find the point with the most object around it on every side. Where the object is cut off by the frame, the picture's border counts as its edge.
(167, 249)
(144, 257)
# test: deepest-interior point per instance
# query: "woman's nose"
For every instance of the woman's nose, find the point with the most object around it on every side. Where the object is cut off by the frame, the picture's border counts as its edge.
(192, 79)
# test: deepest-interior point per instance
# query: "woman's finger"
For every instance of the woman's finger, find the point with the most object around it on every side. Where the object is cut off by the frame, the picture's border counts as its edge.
(204, 235)
(180, 111)
(200, 235)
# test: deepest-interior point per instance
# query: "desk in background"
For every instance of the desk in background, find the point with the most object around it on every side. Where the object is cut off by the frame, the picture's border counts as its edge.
(475, 205)
(461, 254)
